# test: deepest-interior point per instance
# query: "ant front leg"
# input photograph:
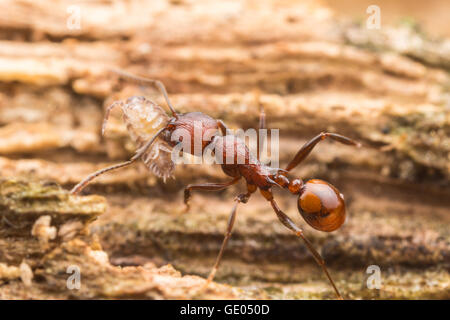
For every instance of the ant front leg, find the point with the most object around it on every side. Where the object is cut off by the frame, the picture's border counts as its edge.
(288, 223)
(223, 127)
(80, 186)
(205, 187)
(307, 147)
(157, 83)
(108, 111)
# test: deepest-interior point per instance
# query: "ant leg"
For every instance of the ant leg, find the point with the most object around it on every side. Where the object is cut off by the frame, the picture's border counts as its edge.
(80, 186)
(231, 220)
(206, 187)
(262, 125)
(107, 112)
(146, 146)
(223, 127)
(288, 223)
(158, 84)
(240, 198)
(307, 147)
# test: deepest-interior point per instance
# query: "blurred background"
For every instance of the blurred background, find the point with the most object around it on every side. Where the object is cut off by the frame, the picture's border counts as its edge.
(378, 75)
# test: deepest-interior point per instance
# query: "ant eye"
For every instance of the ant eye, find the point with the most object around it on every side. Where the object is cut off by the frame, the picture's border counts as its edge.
(321, 205)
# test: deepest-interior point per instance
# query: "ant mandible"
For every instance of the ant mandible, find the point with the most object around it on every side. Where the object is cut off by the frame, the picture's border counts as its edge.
(320, 204)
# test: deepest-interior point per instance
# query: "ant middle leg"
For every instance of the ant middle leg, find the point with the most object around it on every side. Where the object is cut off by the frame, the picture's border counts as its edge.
(242, 198)
(308, 146)
(214, 186)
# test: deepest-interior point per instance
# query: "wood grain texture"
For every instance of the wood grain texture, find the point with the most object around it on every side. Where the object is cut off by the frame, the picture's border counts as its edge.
(311, 70)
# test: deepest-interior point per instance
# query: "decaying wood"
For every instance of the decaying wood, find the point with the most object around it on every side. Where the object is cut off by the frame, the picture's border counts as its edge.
(311, 71)
(28, 213)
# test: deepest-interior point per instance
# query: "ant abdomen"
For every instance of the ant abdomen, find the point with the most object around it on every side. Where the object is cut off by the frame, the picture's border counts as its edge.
(321, 205)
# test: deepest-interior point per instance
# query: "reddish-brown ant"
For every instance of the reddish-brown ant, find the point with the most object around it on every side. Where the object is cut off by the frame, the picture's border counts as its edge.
(319, 203)
(151, 129)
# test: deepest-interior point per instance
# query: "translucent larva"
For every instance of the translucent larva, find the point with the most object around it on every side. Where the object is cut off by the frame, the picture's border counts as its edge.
(143, 119)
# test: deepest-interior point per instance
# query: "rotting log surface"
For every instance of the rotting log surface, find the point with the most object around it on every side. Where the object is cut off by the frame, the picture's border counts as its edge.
(25, 240)
(227, 63)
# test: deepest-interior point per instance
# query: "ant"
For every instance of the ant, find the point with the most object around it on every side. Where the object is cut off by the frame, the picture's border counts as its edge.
(320, 203)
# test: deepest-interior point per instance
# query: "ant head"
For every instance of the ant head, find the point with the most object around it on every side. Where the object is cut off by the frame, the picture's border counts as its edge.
(172, 122)
(320, 204)
(167, 133)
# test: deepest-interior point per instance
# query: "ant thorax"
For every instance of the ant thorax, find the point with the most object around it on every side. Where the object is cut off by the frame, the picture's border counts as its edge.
(143, 118)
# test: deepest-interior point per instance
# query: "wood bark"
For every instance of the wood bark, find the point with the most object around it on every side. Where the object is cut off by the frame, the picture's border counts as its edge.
(309, 69)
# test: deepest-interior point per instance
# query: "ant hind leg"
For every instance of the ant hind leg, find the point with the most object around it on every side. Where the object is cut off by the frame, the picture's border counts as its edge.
(288, 223)
(309, 146)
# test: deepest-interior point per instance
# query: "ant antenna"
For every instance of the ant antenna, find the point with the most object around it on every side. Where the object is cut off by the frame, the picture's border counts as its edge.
(158, 83)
